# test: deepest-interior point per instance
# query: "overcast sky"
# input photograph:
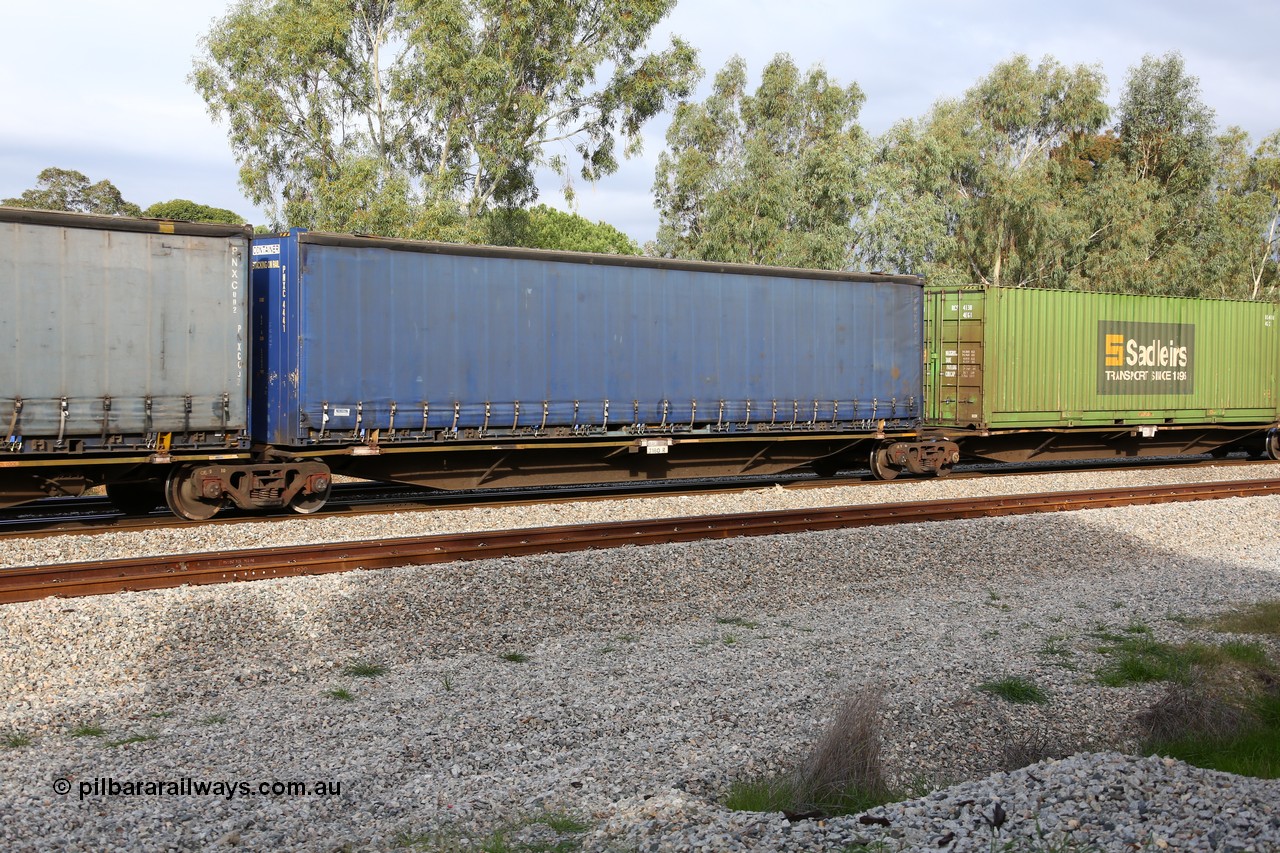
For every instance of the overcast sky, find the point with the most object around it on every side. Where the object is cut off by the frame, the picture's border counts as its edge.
(100, 85)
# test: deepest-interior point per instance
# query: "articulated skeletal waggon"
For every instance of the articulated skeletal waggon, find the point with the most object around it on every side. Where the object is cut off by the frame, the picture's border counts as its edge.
(201, 366)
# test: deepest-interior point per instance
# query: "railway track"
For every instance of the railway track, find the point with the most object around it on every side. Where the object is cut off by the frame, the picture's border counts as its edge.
(78, 579)
(88, 515)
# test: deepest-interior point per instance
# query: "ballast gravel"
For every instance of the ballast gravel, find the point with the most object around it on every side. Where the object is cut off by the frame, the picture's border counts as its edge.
(607, 700)
(38, 551)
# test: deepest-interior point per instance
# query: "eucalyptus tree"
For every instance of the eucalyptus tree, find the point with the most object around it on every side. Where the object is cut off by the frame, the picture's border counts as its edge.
(543, 227)
(190, 211)
(974, 191)
(1239, 225)
(69, 190)
(770, 177)
(429, 112)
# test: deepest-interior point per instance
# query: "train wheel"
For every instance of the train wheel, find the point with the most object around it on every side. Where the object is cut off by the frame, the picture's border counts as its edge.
(881, 468)
(184, 499)
(307, 504)
(134, 498)
(1273, 445)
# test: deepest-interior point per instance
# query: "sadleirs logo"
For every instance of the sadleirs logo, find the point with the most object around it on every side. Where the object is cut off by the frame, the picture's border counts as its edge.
(1146, 358)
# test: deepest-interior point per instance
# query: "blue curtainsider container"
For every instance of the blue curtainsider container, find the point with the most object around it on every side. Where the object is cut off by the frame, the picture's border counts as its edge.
(366, 340)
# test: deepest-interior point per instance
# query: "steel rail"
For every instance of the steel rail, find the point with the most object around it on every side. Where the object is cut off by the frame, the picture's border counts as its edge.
(76, 579)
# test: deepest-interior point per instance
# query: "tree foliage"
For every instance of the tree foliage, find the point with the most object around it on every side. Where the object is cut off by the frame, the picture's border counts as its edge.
(190, 211)
(768, 178)
(69, 190)
(979, 190)
(543, 227)
(417, 116)
(1019, 183)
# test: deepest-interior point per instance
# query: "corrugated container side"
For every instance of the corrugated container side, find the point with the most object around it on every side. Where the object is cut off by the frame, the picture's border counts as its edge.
(133, 325)
(498, 342)
(1061, 357)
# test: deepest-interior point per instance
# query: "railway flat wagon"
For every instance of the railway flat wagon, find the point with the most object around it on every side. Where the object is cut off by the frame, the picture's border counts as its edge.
(1016, 374)
(461, 366)
(123, 351)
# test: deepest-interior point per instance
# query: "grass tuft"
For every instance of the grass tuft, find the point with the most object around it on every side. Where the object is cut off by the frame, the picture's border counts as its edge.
(1014, 688)
(87, 731)
(362, 669)
(1261, 618)
(15, 740)
(1221, 708)
(342, 694)
(547, 833)
(843, 774)
(1142, 659)
(516, 657)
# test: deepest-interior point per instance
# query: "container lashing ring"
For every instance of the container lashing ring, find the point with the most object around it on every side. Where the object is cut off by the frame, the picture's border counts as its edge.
(605, 426)
(391, 421)
(773, 417)
(545, 409)
(814, 420)
(835, 412)
(720, 417)
(516, 419)
(457, 412)
(426, 413)
(575, 415)
(693, 412)
(747, 422)
(666, 408)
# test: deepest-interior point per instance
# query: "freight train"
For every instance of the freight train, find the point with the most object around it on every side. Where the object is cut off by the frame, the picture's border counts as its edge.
(203, 366)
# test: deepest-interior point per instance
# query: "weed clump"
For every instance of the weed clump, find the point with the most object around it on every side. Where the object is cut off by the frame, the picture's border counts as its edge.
(842, 774)
(1016, 689)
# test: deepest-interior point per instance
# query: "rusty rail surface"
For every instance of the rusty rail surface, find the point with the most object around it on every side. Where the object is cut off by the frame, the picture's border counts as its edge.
(75, 579)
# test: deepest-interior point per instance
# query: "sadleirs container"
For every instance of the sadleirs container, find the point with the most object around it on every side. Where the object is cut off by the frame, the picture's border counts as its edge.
(1015, 358)
(422, 341)
(121, 334)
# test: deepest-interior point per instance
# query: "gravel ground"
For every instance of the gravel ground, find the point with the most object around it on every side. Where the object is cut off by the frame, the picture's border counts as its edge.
(300, 531)
(628, 689)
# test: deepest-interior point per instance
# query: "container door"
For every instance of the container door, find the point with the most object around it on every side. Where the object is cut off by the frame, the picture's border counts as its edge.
(955, 369)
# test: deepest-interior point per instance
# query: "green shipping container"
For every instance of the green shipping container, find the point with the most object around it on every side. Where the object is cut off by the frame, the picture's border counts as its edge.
(1013, 358)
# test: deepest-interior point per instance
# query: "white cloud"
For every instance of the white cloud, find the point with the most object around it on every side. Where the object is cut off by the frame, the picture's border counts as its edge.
(101, 86)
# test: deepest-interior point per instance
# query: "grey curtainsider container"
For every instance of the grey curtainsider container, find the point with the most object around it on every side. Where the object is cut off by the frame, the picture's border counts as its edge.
(429, 342)
(121, 334)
